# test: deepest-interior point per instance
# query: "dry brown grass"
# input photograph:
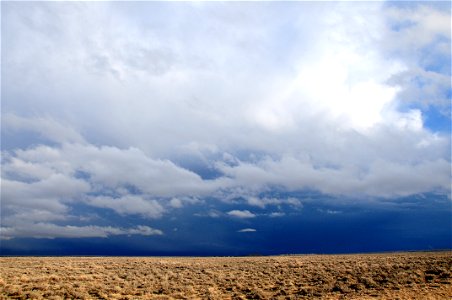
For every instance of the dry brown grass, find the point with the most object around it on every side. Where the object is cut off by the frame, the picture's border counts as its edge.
(378, 276)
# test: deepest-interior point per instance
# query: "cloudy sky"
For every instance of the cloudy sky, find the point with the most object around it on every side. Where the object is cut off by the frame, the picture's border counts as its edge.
(206, 128)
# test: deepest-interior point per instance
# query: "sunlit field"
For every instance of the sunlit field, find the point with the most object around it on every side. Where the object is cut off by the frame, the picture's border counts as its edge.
(423, 275)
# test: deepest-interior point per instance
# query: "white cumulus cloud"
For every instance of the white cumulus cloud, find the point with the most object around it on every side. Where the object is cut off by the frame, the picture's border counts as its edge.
(247, 230)
(241, 214)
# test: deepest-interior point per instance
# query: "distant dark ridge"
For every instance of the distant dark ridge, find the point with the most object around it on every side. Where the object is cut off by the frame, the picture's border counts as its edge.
(368, 252)
(244, 255)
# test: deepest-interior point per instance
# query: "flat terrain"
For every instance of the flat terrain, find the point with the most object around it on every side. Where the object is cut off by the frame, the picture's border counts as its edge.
(421, 275)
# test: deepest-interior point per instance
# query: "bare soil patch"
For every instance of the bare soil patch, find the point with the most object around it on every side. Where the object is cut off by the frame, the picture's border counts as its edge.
(420, 275)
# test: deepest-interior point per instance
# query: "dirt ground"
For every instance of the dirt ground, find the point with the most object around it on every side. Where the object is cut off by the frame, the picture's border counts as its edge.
(420, 275)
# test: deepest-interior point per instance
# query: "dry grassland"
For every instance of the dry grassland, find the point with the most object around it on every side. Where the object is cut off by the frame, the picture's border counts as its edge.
(367, 276)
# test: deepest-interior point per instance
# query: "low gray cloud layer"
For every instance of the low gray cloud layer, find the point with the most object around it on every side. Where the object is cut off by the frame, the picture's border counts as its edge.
(47, 230)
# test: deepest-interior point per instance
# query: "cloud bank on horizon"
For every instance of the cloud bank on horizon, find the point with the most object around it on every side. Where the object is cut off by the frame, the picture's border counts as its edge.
(142, 109)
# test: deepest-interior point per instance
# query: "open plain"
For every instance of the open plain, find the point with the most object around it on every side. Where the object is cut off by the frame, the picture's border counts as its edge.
(413, 275)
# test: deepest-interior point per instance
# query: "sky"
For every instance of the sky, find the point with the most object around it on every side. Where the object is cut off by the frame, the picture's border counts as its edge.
(225, 128)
